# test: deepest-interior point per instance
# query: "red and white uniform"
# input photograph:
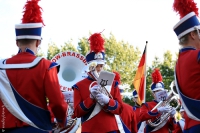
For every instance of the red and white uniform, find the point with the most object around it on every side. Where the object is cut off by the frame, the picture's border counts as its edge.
(146, 114)
(34, 85)
(138, 122)
(102, 122)
(128, 118)
(187, 74)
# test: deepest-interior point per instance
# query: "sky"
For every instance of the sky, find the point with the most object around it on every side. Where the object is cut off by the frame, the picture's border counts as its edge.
(134, 21)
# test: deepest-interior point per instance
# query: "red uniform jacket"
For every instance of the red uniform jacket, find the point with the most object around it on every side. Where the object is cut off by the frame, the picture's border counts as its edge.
(137, 114)
(146, 114)
(187, 72)
(83, 106)
(177, 128)
(34, 85)
(128, 117)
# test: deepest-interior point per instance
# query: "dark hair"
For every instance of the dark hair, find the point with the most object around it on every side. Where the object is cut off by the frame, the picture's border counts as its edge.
(26, 41)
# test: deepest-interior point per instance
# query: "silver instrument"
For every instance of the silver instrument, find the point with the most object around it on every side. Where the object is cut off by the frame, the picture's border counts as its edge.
(72, 70)
(102, 90)
(172, 96)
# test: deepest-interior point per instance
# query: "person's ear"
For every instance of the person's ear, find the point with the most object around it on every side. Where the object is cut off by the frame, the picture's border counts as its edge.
(38, 43)
(192, 34)
(17, 43)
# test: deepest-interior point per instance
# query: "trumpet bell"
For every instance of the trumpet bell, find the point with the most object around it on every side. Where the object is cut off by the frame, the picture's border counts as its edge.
(73, 67)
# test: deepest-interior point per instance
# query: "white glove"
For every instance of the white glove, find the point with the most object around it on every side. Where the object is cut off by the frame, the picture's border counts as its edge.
(94, 91)
(173, 112)
(163, 109)
(102, 98)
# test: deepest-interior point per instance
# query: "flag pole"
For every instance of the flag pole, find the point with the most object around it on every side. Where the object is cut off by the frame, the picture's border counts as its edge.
(145, 73)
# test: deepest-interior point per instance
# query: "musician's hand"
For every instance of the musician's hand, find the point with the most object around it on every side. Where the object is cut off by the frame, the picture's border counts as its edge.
(173, 112)
(163, 109)
(102, 98)
(94, 91)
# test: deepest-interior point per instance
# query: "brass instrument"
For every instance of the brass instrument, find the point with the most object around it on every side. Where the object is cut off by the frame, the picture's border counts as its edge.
(72, 70)
(172, 96)
(102, 90)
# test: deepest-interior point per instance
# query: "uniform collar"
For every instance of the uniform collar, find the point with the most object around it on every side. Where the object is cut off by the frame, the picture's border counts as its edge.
(186, 49)
(90, 78)
(26, 50)
(156, 101)
(137, 106)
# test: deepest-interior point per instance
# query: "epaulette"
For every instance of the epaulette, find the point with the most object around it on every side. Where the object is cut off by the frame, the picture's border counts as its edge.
(54, 64)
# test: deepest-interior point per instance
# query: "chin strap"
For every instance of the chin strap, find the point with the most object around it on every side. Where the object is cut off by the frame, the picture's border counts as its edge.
(95, 74)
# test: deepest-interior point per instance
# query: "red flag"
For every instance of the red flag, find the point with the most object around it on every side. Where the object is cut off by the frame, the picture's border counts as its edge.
(139, 81)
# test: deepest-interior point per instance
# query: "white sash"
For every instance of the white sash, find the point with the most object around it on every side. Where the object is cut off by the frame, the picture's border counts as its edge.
(182, 123)
(142, 126)
(119, 124)
(23, 65)
(190, 115)
(7, 95)
(95, 111)
(9, 100)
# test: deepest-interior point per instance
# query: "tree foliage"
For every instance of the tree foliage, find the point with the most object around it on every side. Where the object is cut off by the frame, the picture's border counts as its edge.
(83, 46)
(52, 50)
(167, 70)
(68, 47)
(40, 53)
(122, 57)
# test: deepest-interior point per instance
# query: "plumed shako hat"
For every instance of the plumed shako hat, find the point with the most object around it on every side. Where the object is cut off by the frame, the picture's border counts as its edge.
(32, 22)
(157, 83)
(188, 12)
(97, 50)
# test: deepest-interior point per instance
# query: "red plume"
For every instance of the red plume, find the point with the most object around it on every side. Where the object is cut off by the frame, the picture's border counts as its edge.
(117, 76)
(183, 7)
(156, 76)
(32, 12)
(96, 43)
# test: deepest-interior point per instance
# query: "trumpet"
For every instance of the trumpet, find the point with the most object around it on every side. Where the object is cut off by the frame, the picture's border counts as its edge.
(172, 97)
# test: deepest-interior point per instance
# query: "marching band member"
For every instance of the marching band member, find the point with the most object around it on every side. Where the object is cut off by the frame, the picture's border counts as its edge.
(128, 117)
(181, 123)
(96, 118)
(146, 112)
(26, 81)
(187, 65)
(136, 108)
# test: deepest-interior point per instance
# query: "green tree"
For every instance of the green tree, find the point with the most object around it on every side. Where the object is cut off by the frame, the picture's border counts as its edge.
(40, 53)
(68, 47)
(52, 50)
(167, 70)
(122, 57)
(83, 46)
(129, 101)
